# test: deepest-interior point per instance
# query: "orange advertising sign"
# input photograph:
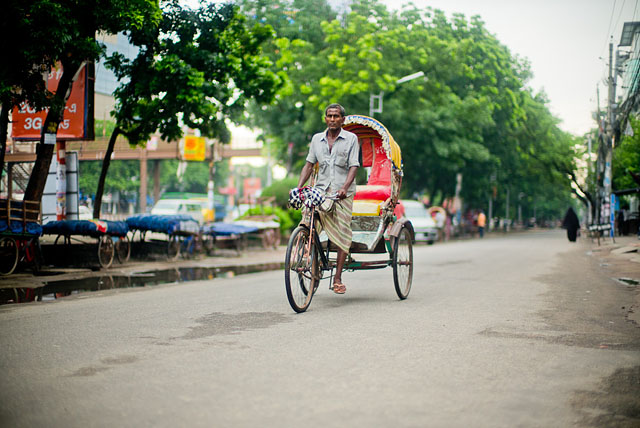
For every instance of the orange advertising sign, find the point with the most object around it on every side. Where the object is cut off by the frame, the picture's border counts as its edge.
(251, 186)
(27, 123)
(194, 148)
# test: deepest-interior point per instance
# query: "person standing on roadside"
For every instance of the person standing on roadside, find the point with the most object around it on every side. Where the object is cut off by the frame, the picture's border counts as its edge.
(482, 221)
(336, 151)
(572, 224)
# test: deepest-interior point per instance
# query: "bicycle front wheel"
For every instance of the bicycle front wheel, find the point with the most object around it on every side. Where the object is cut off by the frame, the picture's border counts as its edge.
(301, 269)
(403, 263)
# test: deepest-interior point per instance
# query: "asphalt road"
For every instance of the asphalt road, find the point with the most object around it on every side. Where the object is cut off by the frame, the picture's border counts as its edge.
(524, 330)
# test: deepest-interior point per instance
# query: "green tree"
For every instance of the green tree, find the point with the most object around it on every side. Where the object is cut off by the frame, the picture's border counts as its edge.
(472, 115)
(27, 57)
(626, 159)
(197, 69)
(71, 27)
(289, 122)
(125, 177)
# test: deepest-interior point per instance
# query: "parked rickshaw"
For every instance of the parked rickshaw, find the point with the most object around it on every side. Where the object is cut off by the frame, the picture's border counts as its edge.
(310, 257)
(20, 231)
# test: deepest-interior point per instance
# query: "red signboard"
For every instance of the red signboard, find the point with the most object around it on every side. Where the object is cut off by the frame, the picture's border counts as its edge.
(27, 123)
(252, 186)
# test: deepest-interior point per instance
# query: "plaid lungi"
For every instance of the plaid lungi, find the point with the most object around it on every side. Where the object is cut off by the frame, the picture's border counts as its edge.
(337, 223)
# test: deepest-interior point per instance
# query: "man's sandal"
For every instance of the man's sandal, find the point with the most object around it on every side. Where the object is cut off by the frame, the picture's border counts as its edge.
(339, 288)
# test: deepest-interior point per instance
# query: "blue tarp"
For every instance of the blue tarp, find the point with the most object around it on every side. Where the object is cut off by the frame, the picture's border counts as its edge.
(15, 226)
(94, 228)
(226, 229)
(169, 224)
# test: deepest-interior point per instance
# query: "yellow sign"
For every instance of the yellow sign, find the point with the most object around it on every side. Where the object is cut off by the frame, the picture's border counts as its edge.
(194, 148)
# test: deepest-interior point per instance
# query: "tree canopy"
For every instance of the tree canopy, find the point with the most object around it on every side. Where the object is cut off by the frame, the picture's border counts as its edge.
(472, 113)
(52, 32)
(195, 70)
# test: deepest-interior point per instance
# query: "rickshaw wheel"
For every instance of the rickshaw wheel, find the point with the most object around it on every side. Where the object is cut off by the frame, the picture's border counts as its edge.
(8, 255)
(123, 249)
(106, 250)
(403, 263)
(173, 247)
(301, 273)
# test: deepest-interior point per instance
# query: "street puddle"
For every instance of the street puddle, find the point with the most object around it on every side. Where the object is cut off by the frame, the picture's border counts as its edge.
(54, 290)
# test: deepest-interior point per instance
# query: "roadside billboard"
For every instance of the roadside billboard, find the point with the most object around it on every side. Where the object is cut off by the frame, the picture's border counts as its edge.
(77, 122)
(194, 148)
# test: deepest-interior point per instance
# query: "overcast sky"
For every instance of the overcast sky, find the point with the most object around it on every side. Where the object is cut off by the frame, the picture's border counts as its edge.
(566, 42)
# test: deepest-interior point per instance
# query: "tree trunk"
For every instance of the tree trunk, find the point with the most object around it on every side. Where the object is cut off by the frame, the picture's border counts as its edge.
(40, 171)
(97, 204)
(4, 125)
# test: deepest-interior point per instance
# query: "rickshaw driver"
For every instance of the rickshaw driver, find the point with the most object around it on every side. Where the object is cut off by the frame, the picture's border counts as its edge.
(336, 151)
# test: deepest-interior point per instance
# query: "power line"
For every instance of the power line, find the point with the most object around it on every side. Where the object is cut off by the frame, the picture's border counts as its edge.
(619, 15)
(613, 10)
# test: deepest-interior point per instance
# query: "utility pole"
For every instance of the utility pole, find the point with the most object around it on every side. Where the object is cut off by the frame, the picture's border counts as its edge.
(608, 213)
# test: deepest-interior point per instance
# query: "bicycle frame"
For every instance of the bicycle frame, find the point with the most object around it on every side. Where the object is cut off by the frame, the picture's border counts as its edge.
(313, 234)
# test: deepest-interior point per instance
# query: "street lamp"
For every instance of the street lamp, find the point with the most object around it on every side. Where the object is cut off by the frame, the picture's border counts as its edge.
(373, 99)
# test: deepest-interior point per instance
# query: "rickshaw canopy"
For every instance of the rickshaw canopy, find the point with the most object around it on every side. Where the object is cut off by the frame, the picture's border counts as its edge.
(368, 128)
(382, 154)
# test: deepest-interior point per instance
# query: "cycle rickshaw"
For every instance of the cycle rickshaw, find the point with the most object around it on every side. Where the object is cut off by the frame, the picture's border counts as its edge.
(376, 230)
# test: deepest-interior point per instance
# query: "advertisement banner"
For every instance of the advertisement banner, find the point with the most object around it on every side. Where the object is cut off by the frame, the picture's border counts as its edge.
(27, 123)
(194, 148)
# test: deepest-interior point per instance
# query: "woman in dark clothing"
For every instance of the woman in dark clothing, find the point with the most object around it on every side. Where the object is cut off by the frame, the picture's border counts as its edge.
(572, 224)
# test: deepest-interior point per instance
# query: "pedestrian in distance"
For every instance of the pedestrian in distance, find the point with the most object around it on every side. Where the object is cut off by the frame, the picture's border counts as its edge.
(482, 222)
(572, 224)
(336, 151)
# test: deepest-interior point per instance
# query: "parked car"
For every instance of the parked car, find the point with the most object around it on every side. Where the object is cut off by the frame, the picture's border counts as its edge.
(218, 213)
(423, 224)
(179, 206)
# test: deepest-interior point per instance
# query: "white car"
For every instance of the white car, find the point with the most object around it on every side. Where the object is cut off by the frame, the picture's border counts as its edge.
(179, 206)
(423, 224)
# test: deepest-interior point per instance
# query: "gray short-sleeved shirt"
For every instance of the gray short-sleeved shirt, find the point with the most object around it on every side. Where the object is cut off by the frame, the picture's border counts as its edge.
(334, 166)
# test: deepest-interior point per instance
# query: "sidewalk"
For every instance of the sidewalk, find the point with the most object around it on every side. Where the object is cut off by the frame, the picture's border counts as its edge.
(621, 262)
(250, 259)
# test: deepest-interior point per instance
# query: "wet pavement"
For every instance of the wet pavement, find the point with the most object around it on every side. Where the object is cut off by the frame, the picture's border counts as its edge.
(53, 283)
(621, 257)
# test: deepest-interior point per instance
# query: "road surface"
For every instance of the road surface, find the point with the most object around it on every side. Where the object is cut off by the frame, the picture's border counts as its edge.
(522, 330)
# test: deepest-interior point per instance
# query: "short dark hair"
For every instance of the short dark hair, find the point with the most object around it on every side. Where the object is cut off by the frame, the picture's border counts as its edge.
(338, 106)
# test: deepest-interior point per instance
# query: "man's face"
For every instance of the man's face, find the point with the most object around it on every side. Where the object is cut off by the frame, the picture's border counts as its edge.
(334, 119)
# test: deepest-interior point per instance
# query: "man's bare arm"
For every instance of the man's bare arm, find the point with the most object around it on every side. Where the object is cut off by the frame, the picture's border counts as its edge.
(305, 174)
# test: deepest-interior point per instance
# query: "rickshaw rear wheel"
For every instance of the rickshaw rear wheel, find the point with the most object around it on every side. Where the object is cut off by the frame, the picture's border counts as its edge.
(106, 250)
(123, 249)
(403, 263)
(301, 270)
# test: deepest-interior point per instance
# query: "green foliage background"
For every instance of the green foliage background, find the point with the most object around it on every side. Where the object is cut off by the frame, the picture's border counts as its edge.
(473, 113)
